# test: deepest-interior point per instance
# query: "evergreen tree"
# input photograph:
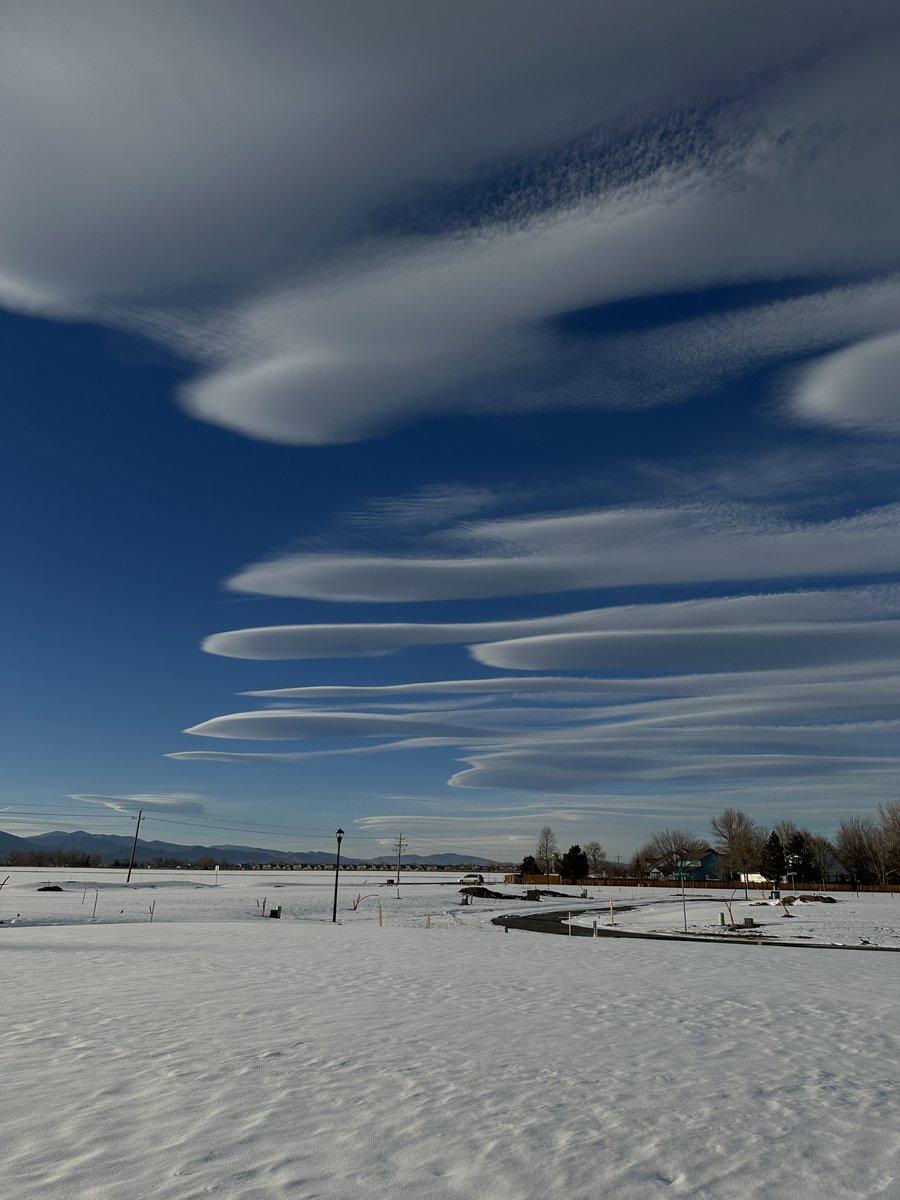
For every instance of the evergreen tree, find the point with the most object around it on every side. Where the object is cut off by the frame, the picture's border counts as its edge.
(798, 858)
(771, 863)
(529, 865)
(573, 865)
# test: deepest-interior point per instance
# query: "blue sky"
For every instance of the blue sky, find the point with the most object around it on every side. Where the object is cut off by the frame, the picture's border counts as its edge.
(449, 421)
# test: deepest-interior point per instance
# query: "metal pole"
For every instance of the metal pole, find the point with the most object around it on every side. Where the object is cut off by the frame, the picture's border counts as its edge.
(682, 866)
(137, 830)
(683, 905)
(337, 868)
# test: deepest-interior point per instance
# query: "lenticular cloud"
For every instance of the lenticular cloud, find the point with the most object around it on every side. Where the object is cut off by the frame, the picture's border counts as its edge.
(601, 549)
(253, 210)
(856, 388)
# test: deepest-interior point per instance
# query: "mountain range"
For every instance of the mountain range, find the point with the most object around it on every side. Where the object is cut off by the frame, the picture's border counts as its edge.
(114, 848)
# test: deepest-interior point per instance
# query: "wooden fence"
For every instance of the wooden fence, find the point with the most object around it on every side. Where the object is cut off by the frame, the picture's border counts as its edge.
(717, 885)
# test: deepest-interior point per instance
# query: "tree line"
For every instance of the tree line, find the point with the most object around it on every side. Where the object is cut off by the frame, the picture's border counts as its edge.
(51, 858)
(79, 858)
(864, 849)
(577, 863)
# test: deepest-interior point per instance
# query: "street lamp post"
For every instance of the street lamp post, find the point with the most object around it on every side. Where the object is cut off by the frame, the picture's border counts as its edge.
(337, 868)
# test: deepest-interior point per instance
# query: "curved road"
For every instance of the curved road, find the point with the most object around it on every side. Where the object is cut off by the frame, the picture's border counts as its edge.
(554, 922)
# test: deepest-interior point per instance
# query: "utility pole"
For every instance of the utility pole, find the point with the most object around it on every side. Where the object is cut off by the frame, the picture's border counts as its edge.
(399, 846)
(137, 830)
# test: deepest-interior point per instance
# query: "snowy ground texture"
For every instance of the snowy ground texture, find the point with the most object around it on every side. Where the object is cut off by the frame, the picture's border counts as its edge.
(216, 1053)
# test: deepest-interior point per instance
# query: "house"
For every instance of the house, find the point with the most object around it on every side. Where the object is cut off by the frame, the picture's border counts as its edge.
(708, 866)
(697, 869)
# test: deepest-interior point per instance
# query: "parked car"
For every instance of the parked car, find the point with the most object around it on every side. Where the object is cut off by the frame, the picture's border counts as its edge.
(472, 878)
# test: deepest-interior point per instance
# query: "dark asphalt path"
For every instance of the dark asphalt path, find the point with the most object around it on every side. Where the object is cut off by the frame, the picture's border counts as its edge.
(552, 922)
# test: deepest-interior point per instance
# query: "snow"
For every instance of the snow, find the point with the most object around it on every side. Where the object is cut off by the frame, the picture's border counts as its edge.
(214, 1052)
(870, 918)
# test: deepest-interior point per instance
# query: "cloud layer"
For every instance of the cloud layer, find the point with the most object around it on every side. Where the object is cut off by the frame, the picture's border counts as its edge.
(610, 548)
(311, 207)
(798, 611)
(719, 730)
(711, 695)
(348, 218)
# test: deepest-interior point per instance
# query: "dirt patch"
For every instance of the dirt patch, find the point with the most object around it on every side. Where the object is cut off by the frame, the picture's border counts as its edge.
(484, 893)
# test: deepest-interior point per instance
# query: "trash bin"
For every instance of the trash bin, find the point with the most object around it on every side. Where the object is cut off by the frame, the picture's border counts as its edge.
(275, 911)
(532, 894)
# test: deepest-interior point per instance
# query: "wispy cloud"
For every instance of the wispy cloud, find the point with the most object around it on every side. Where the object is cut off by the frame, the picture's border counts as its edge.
(293, 724)
(263, 757)
(184, 803)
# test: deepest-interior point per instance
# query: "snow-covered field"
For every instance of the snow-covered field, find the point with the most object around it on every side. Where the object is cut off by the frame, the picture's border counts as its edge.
(214, 1052)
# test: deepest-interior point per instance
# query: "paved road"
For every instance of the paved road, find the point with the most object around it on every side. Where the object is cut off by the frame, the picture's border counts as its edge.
(553, 922)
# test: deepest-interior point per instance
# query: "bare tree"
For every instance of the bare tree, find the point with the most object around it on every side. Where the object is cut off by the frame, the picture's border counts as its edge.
(889, 816)
(852, 846)
(643, 860)
(738, 840)
(667, 849)
(822, 854)
(546, 850)
(595, 856)
(879, 851)
(786, 829)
